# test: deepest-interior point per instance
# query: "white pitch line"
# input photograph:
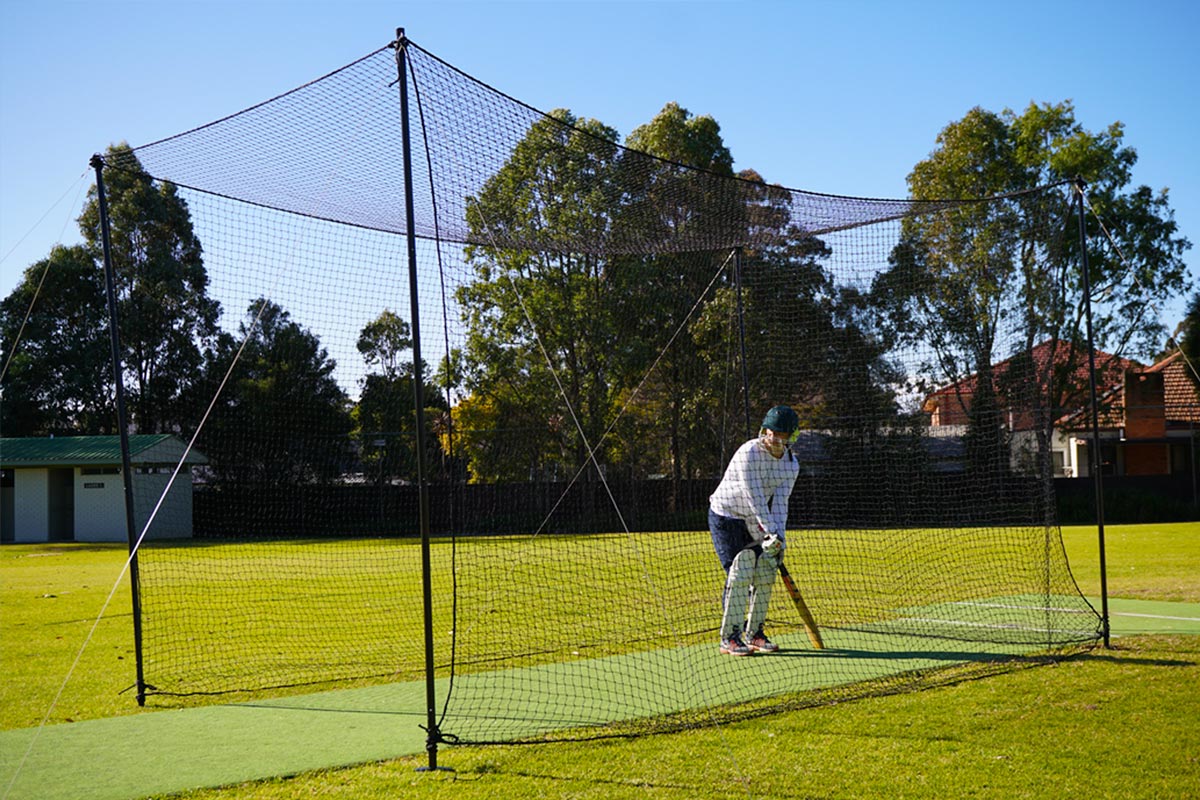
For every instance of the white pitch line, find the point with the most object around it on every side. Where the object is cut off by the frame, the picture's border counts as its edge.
(1152, 616)
(1073, 610)
(1020, 608)
(1011, 627)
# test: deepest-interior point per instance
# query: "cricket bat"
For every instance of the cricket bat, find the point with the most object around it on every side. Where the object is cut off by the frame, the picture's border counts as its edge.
(810, 624)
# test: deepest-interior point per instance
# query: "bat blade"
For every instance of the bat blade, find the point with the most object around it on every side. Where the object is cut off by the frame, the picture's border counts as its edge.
(810, 624)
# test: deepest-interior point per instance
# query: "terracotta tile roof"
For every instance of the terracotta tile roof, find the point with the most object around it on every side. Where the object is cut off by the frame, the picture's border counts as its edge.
(1180, 394)
(1181, 399)
(1110, 416)
(1110, 370)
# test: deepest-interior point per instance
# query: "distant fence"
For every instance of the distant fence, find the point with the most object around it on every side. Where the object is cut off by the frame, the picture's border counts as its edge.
(1129, 498)
(661, 505)
(586, 507)
(525, 508)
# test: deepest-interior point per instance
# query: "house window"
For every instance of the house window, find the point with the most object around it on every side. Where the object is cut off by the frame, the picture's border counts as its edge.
(7, 479)
(1058, 459)
(100, 471)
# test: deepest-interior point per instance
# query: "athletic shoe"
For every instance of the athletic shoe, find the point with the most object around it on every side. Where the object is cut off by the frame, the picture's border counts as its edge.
(761, 643)
(733, 646)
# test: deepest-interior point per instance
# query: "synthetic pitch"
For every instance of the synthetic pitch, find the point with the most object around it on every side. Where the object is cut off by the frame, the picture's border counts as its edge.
(177, 750)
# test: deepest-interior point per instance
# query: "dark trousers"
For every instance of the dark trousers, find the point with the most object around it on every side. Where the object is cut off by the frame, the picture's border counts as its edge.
(730, 537)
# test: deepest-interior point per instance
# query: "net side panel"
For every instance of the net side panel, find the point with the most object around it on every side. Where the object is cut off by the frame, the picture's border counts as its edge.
(601, 331)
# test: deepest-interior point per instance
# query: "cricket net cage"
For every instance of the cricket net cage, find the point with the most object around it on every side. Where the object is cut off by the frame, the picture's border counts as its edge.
(599, 330)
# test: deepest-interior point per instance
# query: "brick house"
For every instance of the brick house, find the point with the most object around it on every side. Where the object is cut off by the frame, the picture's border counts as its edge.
(1148, 425)
(1017, 381)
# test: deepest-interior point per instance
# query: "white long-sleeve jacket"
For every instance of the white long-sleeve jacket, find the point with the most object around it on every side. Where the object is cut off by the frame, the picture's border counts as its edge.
(756, 488)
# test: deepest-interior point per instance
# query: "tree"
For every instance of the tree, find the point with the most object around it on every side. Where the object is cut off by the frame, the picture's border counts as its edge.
(385, 415)
(980, 282)
(495, 435)
(538, 315)
(807, 340)
(282, 419)
(383, 340)
(685, 193)
(1189, 341)
(606, 276)
(58, 378)
(61, 369)
(165, 313)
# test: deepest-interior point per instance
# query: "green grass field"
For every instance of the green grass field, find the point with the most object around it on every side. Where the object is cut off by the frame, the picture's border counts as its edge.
(1067, 730)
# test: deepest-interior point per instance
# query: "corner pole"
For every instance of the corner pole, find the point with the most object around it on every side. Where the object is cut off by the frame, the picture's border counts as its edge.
(737, 280)
(114, 336)
(1094, 450)
(432, 735)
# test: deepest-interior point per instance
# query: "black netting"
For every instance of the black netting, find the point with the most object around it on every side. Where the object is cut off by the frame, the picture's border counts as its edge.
(332, 149)
(601, 330)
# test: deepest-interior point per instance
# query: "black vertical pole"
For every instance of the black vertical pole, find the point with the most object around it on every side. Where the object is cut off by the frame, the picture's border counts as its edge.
(737, 280)
(432, 734)
(114, 337)
(1097, 477)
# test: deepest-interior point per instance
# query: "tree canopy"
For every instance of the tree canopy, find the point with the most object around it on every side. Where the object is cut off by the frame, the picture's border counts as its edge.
(59, 377)
(385, 416)
(282, 417)
(165, 312)
(62, 367)
(602, 331)
(638, 348)
(555, 187)
(954, 274)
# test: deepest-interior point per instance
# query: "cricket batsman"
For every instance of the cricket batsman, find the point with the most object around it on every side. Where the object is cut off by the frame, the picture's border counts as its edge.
(747, 516)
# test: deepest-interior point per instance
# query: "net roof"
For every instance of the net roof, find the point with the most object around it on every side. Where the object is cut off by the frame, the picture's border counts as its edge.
(332, 149)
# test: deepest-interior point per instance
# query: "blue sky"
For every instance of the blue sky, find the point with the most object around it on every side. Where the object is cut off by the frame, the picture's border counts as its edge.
(833, 97)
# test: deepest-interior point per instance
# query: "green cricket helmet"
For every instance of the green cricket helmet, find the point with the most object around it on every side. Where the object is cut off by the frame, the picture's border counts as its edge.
(781, 419)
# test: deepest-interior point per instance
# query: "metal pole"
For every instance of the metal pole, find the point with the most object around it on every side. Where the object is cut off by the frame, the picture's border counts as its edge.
(1097, 477)
(432, 734)
(737, 280)
(114, 336)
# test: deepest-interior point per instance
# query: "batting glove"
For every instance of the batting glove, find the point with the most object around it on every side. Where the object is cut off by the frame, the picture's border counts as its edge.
(772, 545)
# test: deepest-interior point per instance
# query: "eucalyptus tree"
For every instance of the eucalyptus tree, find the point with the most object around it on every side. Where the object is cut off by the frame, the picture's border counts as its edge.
(166, 315)
(385, 415)
(680, 199)
(59, 377)
(57, 370)
(541, 336)
(282, 417)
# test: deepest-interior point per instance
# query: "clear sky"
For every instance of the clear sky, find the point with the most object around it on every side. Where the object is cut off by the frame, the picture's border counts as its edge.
(835, 97)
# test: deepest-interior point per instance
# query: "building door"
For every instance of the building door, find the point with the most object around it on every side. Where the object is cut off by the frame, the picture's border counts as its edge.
(61, 510)
(7, 496)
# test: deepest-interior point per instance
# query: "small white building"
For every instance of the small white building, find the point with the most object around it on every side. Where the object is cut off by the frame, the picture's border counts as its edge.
(69, 489)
